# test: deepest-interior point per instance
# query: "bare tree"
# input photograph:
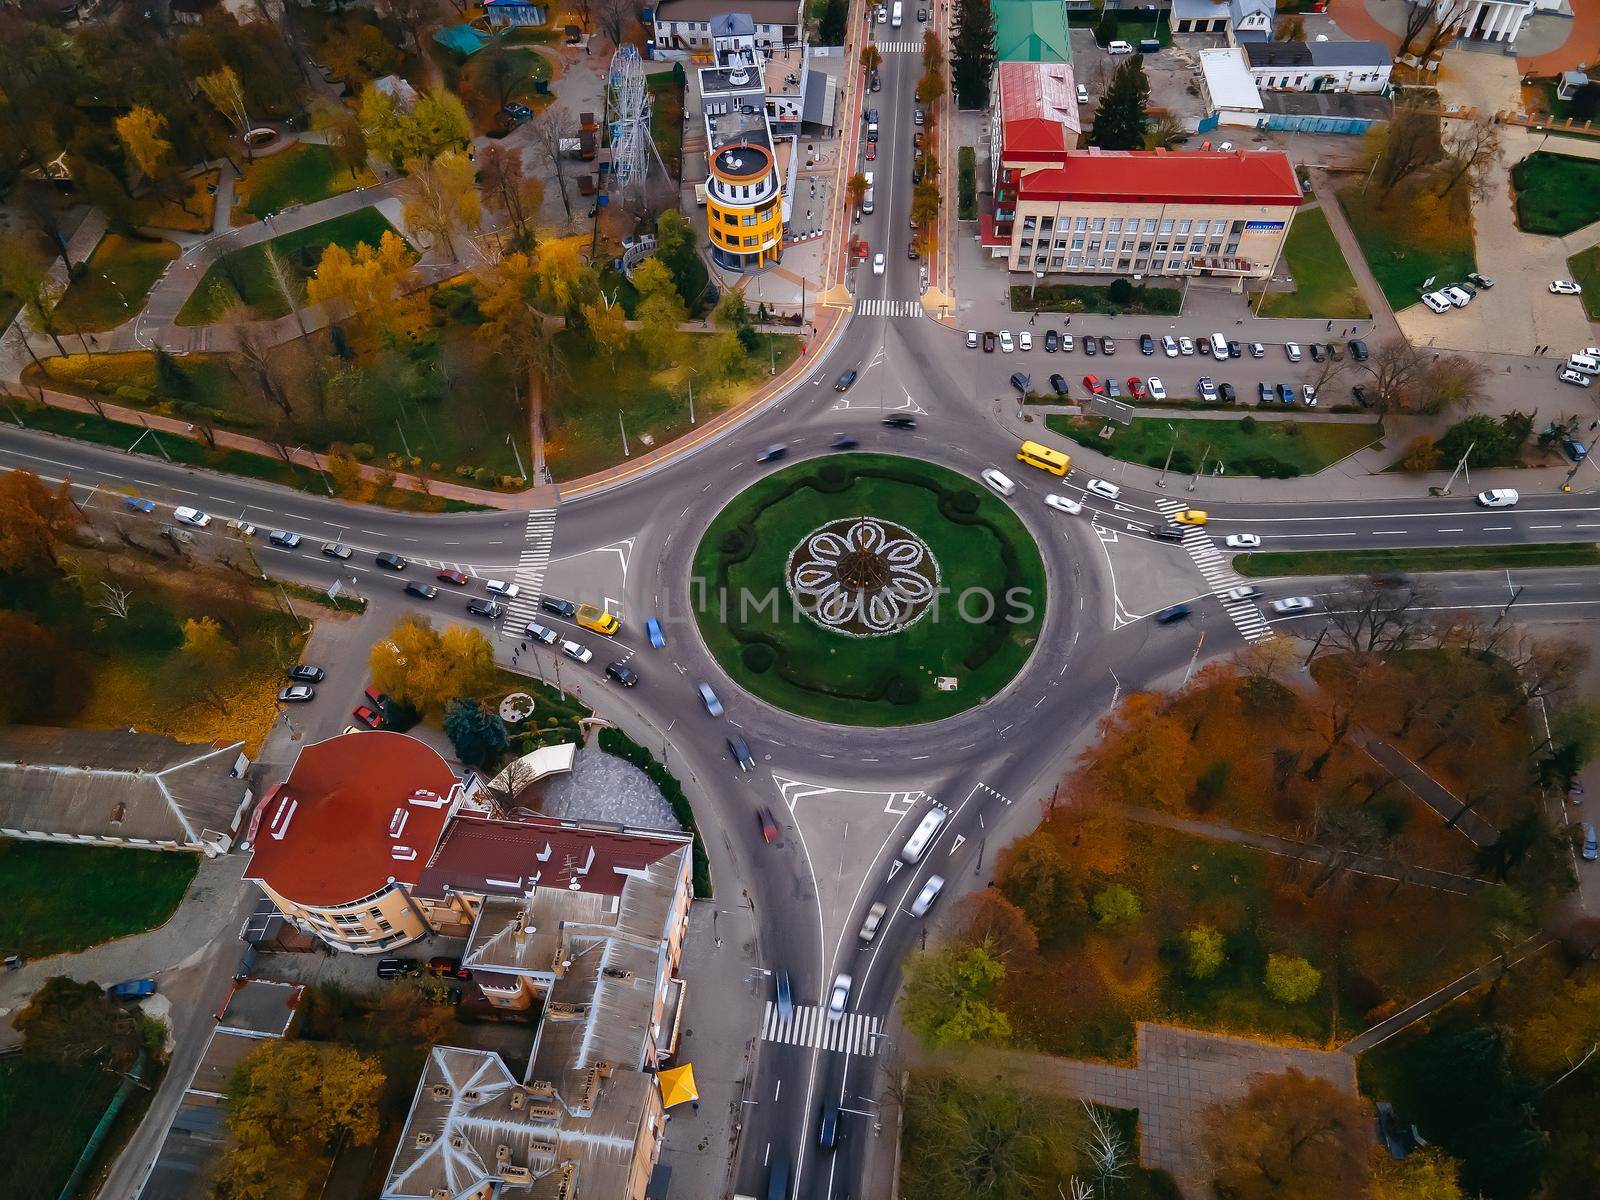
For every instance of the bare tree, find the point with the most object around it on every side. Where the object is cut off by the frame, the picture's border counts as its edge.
(1452, 381)
(255, 356)
(585, 11)
(1376, 618)
(509, 190)
(1471, 148)
(1395, 368)
(114, 600)
(1105, 1149)
(1430, 28)
(613, 17)
(1408, 142)
(414, 16)
(549, 131)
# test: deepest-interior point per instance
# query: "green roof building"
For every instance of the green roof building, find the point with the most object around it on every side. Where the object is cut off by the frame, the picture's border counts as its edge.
(1032, 31)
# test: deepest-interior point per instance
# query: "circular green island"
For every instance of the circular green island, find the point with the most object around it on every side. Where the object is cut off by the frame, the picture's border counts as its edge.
(869, 589)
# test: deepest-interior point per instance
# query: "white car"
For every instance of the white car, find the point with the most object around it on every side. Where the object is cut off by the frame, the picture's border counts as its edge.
(1100, 487)
(839, 997)
(1292, 604)
(877, 263)
(1156, 389)
(1025, 340)
(1499, 498)
(1185, 346)
(1440, 303)
(1458, 297)
(1257, 350)
(1007, 344)
(1574, 376)
(1309, 394)
(191, 516)
(1169, 345)
(1242, 541)
(1064, 504)
(1292, 349)
(576, 652)
(925, 898)
(1247, 592)
(1083, 94)
(1066, 343)
(1565, 287)
(972, 339)
(499, 587)
(1207, 389)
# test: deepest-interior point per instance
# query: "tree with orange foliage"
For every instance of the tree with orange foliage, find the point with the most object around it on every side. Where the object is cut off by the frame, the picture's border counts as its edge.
(35, 520)
(1290, 1135)
(989, 920)
(1140, 758)
(1036, 877)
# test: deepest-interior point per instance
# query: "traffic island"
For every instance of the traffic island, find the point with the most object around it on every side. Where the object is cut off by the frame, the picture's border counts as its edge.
(869, 589)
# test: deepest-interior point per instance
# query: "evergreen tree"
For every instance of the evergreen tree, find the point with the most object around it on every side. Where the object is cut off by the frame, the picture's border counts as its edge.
(972, 52)
(1120, 122)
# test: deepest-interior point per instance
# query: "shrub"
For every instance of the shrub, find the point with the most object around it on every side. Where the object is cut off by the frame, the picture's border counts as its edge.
(900, 690)
(1247, 424)
(1203, 953)
(133, 395)
(965, 503)
(1284, 470)
(1290, 979)
(737, 542)
(758, 657)
(364, 451)
(967, 183)
(1116, 907)
(1120, 292)
(833, 477)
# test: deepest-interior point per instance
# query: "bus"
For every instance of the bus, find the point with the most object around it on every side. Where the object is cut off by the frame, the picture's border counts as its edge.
(1043, 457)
(898, 14)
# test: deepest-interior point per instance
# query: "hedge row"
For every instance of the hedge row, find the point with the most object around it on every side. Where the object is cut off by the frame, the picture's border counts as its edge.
(614, 741)
(967, 183)
(760, 653)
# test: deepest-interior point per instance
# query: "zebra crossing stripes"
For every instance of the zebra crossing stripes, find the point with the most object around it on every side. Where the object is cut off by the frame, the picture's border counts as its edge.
(899, 47)
(808, 1025)
(531, 566)
(1219, 575)
(889, 308)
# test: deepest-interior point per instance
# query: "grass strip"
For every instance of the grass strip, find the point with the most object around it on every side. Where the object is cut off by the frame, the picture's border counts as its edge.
(1424, 558)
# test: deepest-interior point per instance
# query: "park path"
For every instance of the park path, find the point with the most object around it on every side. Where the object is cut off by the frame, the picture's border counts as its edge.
(1309, 852)
(1384, 323)
(1426, 788)
(1179, 1074)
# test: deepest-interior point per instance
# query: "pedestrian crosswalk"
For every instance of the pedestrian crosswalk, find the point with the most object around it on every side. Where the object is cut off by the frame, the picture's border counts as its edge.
(888, 308)
(1219, 575)
(531, 566)
(899, 47)
(808, 1025)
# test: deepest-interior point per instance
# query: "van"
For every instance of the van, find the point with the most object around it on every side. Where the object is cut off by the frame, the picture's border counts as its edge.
(1119, 47)
(700, 195)
(897, 15)
(598, 620)
(1149, 46)
(866, 204)
(1586, 363)
(998, 482)
(927, 829)
(1219, 347)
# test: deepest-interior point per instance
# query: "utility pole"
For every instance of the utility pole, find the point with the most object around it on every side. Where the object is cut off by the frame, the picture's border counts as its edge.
(1460, 467)
(1315, 647)
(1199, 468)
(1515, 596)
(1162, 482)
(406, 445)
(624, 429)
(691, 397)
(518, 453)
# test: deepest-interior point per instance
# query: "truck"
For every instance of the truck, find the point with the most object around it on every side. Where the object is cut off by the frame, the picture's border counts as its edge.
(700, 195)
(597, 619)
(897, 14)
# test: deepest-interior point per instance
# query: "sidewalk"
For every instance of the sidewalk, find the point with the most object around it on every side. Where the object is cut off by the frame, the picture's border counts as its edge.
(1426, 788)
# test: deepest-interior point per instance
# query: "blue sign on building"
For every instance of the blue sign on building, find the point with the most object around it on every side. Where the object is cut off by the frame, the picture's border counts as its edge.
(1262, 226)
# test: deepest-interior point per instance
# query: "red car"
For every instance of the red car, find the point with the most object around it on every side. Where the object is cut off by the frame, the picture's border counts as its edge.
(456, 577)
(442, 966)
(366, 716)
(1093, 384)
(377, 699)
(872, 151)
(769, 827)
(1135, 387)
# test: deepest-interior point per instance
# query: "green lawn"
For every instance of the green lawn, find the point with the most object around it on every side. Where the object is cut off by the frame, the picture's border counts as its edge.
(584, 434)
(1556, 193)
(666, 117)
(47, 1114)
(242, 274)
(1245, 446)
(751, 623)
(1323, 284)
(1585, 268)
(119, 275)
(302, 174)
(66, 898)
(1083, 297)
(1422, 558)
(1402, 252)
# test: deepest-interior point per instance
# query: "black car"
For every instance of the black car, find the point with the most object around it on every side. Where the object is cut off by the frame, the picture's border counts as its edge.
(1021, 382)
(1264, 393)
(1166, 533)
(1359, 395)
(1052, 341)
(1059, 384)
(740, 750)
(1235, 350)
(1147, 344)
(422, 591)
(1317, 352)
(389, 562)
(772, 453)
(988, 341)
(483, 608)
(1285, 394)
(1091, 346)
(558, 606)
(1169, 616)
(305, 673)
(393, 968)
(876, 84)
(622, 673)
(1226, 393)
(900, 421)
(843, 441)
(1358, 350)
(842, 384)
(1108, 346)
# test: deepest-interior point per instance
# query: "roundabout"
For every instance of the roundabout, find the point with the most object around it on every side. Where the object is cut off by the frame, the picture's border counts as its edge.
(869, 589)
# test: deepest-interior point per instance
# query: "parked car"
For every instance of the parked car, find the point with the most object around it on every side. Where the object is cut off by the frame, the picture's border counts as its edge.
(1482, 281)
(1024, 340)
(300, 693)
(1440, 303)
(1285, 394)
(442, 966)
(972, 339)
(191, 516)
(1135, 387)
(394, 968)
(576, 652)
(389, 561)
(366, 716)
(1113, 388)
(1092, 384)
(1156, 389)
(1264, 393)
(1169, 346)
(1091, 346)
(1108, 345)
(988, 342)
(1007, 343)
(1226, 394)
(541, 633)
(483, 608)
(1573, 448)
(1235, 350)
(1022, 382)
(306, 673)
(1575, 377)
(1208, 390)
(1185, 345)
(1590, 845)
(1499, 498)
(1058, 384)
(1147, 344)
(1565, 287)
(559, 607)
(1317, 354)
(1308, 394)
(1292, 351)
(1257, 350)
(1052, 341)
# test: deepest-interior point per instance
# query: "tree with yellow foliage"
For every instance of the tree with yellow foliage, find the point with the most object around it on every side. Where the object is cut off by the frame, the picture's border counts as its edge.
(608, 326)
(140, 131)
(35, 521)
(289, 1101)
(419, 666)
(661, 312)
(372, 283)
(227, 96)
(209, 657)
(435, 123)
(565, 282)
(440, 197)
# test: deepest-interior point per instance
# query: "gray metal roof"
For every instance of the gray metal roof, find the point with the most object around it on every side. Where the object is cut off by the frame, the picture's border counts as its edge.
(120, 786)
(1350, 54)
(1278, 54)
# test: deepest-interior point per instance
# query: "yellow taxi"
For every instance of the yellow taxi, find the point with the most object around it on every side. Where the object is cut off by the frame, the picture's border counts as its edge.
(1190, 516)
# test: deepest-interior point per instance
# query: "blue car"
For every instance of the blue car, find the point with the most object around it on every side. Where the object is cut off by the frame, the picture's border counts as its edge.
(132, 989)
(653, 628)
(140, 504)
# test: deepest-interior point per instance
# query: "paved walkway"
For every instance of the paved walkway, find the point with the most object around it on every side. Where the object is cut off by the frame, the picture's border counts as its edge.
(1426, 788)
(1383, 323)
(1179, 1075)
(1310, 852)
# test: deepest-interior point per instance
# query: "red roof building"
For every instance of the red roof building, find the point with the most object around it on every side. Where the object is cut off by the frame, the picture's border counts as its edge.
(1264, 177)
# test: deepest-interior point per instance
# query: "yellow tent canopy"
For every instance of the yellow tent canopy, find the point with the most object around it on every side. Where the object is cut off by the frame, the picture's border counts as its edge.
(677, 1085)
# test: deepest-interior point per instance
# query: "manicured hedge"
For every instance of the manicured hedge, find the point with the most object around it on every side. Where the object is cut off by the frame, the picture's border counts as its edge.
(614, 741)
